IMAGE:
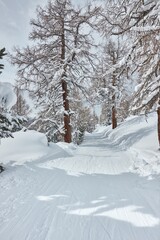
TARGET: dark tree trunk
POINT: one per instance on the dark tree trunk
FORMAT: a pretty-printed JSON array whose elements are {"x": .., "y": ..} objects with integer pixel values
[
  {"x": 67, "y": 126},
  {"x": 114, "y": 118},
  {"x": 19, "y": 102},
  {"x": 158, "y": 113}
]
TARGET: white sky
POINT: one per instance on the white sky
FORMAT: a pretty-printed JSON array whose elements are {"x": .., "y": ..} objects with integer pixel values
[{"x": 15, "y": 16}]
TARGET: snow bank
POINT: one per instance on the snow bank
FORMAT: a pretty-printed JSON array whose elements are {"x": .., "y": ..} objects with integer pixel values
[
  {"x": 133, "y": 130},
  {"x": 25, "y": 146},
  {"x": 68, "y": 147},
  {"x": 138, "y": 136},
  {"x": 100, "y": 129},
  {"x": 146, "y": 155}
]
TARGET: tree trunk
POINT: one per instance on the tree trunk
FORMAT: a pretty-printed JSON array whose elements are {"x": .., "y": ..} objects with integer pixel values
[
  {"x": 67, "y": 126},
  {"x": 114, "y": 119},
  {"x": 158, "y": 113}
]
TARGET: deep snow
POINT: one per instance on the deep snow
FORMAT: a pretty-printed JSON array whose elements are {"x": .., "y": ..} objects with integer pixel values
[{"x": 107, "y": 189}]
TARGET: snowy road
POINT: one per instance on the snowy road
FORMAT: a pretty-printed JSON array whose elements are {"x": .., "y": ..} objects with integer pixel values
[{"x": 89, "y": 196}]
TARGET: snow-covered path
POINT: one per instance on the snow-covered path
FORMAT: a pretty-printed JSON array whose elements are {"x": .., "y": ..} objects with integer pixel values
[{"x": 89, "y": 196}]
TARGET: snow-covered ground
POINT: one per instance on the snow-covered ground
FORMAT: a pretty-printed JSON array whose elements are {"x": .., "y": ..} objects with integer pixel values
[{"x": 106, "y": 189}]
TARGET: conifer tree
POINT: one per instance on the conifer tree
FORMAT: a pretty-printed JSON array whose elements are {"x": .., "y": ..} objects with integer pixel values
[
  {"x": 60, "y": 57},
  {"x": 111, "y": 80},
  {"x": 139, "y": 20},
  {"x": 4, "y": 121},
  {"x": 8, "y": 122},
  {"x": 2, "y": 54}
]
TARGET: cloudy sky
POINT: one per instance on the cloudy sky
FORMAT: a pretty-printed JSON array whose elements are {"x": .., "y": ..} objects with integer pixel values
[{"x": 15, "y": 16}]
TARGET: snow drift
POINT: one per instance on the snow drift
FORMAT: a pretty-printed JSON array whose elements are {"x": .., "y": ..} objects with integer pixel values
[{"x": 138, "y": 136}]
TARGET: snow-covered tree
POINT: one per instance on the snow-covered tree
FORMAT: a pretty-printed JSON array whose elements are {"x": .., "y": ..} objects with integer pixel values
[
  {"x": 140, "y": 20},
  {"x": 4, "y": 103},
  {"x": 9, "y": 122},
  {"x": 83, "y": 117},
  {"x": 2, "y": 54},
  {"x": 22, "y": 107},
  {"x": 111, "y": 79},
  {"x": 50, "y": 118},
  {"x": 60, "y": 56}
]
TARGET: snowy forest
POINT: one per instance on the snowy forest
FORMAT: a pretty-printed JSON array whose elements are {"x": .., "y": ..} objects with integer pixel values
[{"x": 89, "y": 78}]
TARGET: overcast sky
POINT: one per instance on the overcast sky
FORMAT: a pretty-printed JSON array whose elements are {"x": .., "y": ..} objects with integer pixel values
[{"x": 15, "y": 16}]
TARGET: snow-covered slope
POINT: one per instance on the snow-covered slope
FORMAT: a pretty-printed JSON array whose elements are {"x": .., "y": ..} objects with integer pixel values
[
  {"x": 89, "y": 193},
  {"x": 26, "y": 147},
  {"x": 138, "y": 136}
]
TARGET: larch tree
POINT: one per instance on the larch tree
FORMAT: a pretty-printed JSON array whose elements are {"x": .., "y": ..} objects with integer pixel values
[
  {"x": 140, "y": 20},
  {"x": 83, "y": 117},
  {"x": 60, "y": 56},
  {"x": 21, "y": 108},
  {"x": 111, "y": 77}
]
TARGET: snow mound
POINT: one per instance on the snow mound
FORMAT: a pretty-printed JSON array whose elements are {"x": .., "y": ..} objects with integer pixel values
[
  {"x": 25, "y": 146},
  {"x": 130, "y": 132},
  {"x": 68, "y": 147},
  {"x": 100, "y": 129},
  {"x": 138, "y": 136}
]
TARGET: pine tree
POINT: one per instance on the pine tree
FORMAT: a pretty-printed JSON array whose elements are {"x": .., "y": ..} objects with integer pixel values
[
  {"x": 8, "y": 122},
  {"x": 5, "y": 126},
  {"x": 2, "y": 54},
  {"x": 4, "y": 121}
]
